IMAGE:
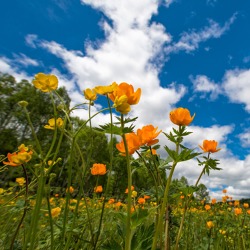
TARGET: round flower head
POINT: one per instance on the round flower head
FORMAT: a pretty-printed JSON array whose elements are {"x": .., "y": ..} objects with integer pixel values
[
  {"x": 98, "y": 169},
  {"x": 46, "y": 83},
  {"x": 181, "y": 116},
  {"x": 210, "y": 146}
]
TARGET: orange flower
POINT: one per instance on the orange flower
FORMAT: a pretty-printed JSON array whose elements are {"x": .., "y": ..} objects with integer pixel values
[
  {"x": 213, "y": 201},
  {"x": 104, "y": 90},
  {"x": 146, "y": 197},
  {"x": 98, "y": 169},
  {"x": 210, "y": 224},
  {"x": 148, "y": 134},
  {"x": 207, "y": 207},
  {"x": 248, "y": 211},
  {"x": 98, "y": 189},
  {"x": 19, "y": 158},
  {"x": 236, "y": 203},
  {"x": 123, "y": 96},
  {"x": 55, "y": 211},
  {"x": 210, "y": 146},
  {"x": 133, "y": 143},
  {"x": 237, "y": 211},
  {"x": 246, "y": 205},
  {"x": 141, "y": 201},
  {"x": 111, "y": 201},
  {"x": 181, "y": 116},
  {"x": 45, "y": 83},
  {"x": 224, "y": 191},
  {"x": 21, "y": 181},
  {"x": 71, "y": 190},
  {"x": 132, "y": 189}
]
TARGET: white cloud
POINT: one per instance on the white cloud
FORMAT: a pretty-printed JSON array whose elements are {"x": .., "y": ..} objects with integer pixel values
[
  {"x": 203, "y": 84},
  {"x": 190, "y": 40},
  {"x": 25, "y": 60},
  {"x": 236, "y": 84},
  {"x": 30, "y": 40},
  {"x": 245, "y": 138}
]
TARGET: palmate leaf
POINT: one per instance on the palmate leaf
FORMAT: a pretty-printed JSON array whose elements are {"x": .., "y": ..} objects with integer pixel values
[
  {"x": 109, "y": 128},
  {"x": 126, "y": 120}
]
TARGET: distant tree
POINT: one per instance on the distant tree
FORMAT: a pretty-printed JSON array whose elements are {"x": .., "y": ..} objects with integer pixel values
[{"x": 202, "y": 193}]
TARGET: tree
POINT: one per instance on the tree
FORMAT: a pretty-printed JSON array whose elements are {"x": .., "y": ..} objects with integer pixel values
[{"x": 202, "y": 193}]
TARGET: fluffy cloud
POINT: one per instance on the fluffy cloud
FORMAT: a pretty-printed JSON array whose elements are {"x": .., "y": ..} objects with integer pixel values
[{"x": 236, "y": 86}]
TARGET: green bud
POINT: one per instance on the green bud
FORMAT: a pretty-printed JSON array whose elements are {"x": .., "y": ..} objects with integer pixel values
[{"x": 23, "y": 104}]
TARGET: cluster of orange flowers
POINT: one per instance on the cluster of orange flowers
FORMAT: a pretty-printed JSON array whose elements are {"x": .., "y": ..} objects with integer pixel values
[{"x": 145, "y": 136}]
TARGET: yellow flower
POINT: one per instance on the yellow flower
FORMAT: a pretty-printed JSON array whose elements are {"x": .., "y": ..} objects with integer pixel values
[
  {"x": 55, "y": 211},
  {"x": 19, "y": 158},
  {"x": 181, "y": 116},
  {"x": 134, "y": 194},
  {"x": 132, "y": 189},
  {"x": 210, "y": 146},
  {"x": 2, "y": 190},
  {"x": 52, "y": 123},
  {"x": 236, "y": 203},
  {"x": 222, "y": 231},
  {"x": 210, "y": 224},
  {"x": 21, "y": 181},
  {"x": 104, "y": 90},
  {"x": 90, "y": 94},
  {"x": 45, "y": 83}
]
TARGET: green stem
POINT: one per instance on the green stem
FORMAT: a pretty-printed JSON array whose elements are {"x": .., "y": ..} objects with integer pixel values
[
  {"x": 129, "y": 200},
  {"x": 25, "y": 208}
]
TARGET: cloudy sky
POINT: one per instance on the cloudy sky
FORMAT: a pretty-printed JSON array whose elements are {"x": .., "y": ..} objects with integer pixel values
[{"x": 194, "y": 54}]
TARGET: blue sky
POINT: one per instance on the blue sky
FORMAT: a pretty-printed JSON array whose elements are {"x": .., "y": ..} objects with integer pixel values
[{"x": 194, "y": 54}]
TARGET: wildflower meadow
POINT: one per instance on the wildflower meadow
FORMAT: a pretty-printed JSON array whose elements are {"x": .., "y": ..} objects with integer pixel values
[{"x": 39, "y": 213}]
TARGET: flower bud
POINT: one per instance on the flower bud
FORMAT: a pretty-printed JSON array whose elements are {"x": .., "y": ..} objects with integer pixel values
[{"x": 23, "y": 104}]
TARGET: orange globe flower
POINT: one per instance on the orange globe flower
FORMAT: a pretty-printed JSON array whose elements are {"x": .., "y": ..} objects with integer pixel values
[
  {"x": 98, "y": 169},
  {"x": 141, "y": 201},
  {"x": 46, "y": 83},
  {"x": 181, "y": 116},
  {"x": 98, "y": 189},
  {"x": 210, "y": 224},
  {"x": 123, "y": 96},
  {"x": 132, "y": 189},
  {"x": 19, "y": 158},
  {"x": 213, "y": 201},
  {"x": 55, "y": 212},
  {"x": 133, "y": 143},
  {"x": 207, "y": 207},
  {"x": 148, "y": 135},
  {"x": 210, "y": 146},
  {"x": 238, "y": 211}
]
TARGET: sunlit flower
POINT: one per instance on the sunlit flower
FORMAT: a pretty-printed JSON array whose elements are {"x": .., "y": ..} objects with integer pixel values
[
  {"x": 53, "y": 123},
  {"x": 181, "y": 116},
  {"x": 210, "y": 224},
  {"x": 222, "y": 231},
  {"x": 210, "y": 146},
  {"x": 207, "y": 207},
  {"x": 90, "y": 94},
  {"x": 111, "y": 201},
  {"x": 45, "y": 83},
  {"x": 132, "y": 188},
  {"x": 141, "y": 201},
  {"x": 55, "y": 211},
  {"x": 134, "y": 194},
  {"x": 133, "y": 144},
  {"x": 98, "y": 189},
  {"x": 21, "y": 181},
  {"x": 19, "y": 158},
  {"x": 70, "y": 190},
  {"x": 213, "y": 201},
  {"x": 98, "y": 169},
  {"x": 118, "y": 204},
  {"x": 237, "y": 211},
  {"x": 146, "y": 197},
  {"x": 123, "y": 96},
  {"x": 248, "y": 211},
  {"x": 236, "y": 203},
  {"x": 245, "y": 205},
  {"x": 104, "y": 90},
  {"x": 148, "y": 135},
  {"x": 224, "y": 191}
]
